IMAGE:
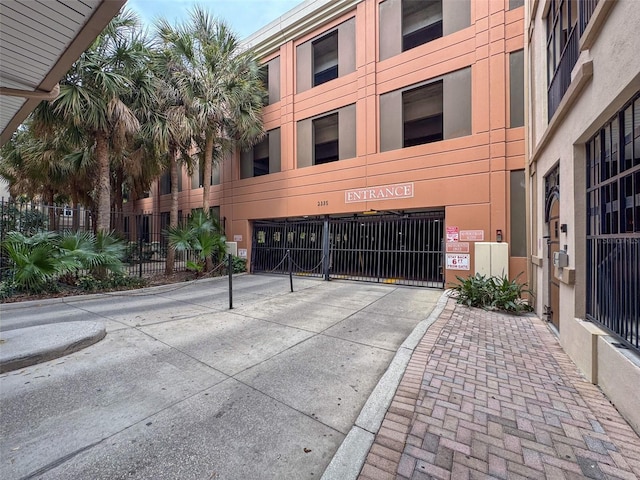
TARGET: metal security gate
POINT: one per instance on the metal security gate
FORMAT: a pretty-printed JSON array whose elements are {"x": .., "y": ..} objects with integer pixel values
[{"x": 399, "y": 249}]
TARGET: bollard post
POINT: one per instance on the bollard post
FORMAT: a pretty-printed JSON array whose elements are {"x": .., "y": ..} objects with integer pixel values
[
  {"x": 290, "y": 270},
  {"x": 230, "y": 266}
]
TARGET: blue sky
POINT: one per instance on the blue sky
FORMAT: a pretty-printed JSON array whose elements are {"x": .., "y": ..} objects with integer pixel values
[{"x": 244, "y": 16}]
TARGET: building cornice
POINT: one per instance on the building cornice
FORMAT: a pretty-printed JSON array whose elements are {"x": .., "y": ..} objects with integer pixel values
[{"x": 296, "y": 23}]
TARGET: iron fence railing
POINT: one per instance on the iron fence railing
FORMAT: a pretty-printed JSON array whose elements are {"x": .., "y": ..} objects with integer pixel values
[
  {"x": 562, "y": 77},
  {"x": 398, "y": 249},
  {"x": 586, "y": 9},
  {"x": 144, "y": 232},
  {"x": 613, "y": 286}
]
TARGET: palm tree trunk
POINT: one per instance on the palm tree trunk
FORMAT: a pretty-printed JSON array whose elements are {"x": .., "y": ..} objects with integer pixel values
[
  {"x": 208, "y": 164},
  {"x": 118, "y": 225},
  {"x": 206, "y": 186},
  {"x": 173, "y": 212},
  {"x": 104, "y": 184}
]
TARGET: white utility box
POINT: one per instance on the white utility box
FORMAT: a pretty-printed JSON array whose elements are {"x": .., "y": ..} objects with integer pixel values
[
  {"x": 492, "y": 258},
  {"x": 232, "y": 248}
]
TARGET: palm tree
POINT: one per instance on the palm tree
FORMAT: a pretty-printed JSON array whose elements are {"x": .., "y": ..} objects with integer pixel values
[
  {"x": 167, "y": 133},
  {"x": 96, "y": 95},
  {"x": 220, "y": 84}
]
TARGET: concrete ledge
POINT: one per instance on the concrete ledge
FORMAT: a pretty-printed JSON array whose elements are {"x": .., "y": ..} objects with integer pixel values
[
  {"x": 619, "y": 378},
  {"x": 580, "y": 340},
  {"x": 28, "y": 346}
]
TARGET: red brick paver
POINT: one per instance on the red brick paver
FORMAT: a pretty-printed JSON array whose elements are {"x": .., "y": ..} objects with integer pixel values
[{"x": 489, "y": 395}]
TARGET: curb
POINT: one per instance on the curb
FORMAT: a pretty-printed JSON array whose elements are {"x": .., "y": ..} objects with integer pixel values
[
  {"x": 352, "y": 453},
  {"x": 24, "y": 347}
]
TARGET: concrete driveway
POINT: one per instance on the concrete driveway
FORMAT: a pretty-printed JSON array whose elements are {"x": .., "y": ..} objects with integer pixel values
[{"x": 182, "y": 387}]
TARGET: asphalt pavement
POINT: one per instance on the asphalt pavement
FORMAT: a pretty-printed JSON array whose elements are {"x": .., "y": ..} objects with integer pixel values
[{"x": 183, "y": 387}]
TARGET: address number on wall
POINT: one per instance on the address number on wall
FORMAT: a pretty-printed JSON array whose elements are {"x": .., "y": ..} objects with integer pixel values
[{"x": 323, "y": 203}]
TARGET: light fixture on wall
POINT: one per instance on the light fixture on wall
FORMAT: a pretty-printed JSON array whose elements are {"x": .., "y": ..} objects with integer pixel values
[{"x": 498, "y": 235}]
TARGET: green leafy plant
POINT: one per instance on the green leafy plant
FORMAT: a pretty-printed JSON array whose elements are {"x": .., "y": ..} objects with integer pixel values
[
  {"x": 37, "y": 262},
  {"x": 201, "y": 235},
  {"x": 492, "y": 293},
  {"x": 239, "y": 264}
]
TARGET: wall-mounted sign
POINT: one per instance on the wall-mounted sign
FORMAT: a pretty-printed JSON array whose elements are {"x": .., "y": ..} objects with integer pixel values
[
  {"x": 452, "y": 234},
  {"x": 386, "y": 192},
  {"x": 457, "y": 261},
  {"x": 242, "y": 252},
  {"x": 237, "y": 238},
  {"x": 458, "y": 247},
  {"x": 472, "y": 235}
]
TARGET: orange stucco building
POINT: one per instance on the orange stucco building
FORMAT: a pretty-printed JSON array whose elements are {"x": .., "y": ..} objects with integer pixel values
[{"x": 385, "y": 110}]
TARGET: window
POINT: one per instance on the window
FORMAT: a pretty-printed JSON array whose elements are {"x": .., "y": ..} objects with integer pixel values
[
  {"x": 562, "y": 49},
  {"x": 516, "y": 89},
  {"x": 327, "y": 138},
  {"x": 263, "y": 158},
  {"x": 326, "y": 57},
  {"x": 197, "y": 179},
  {"x": 517, "y": 214},
  {"x": 165, "y": 182},
  {"x": 429, "y": 112},
  {"x": 421, "y": 22},
  {"x": 515, "y": 4},
  {"x": 270, "y": 74},
  {"x": 613, "y": 223},
  {"x": 406, "y": 24},
  {"x": 422, "y": 115}
]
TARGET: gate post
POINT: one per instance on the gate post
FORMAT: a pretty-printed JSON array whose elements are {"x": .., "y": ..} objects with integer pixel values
[{"x": 325, "y": 248}]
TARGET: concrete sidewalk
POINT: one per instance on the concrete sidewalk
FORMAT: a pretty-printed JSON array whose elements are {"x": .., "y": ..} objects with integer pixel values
[{"x": 489, "y": 395}]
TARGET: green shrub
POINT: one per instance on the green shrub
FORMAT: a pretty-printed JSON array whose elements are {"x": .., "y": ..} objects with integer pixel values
[
  {"x": 89, "y": 283},
  {"x": 7, "y": 289},
  {"x": 492, "y": 293},
  {"x": 239, "y": 264}
]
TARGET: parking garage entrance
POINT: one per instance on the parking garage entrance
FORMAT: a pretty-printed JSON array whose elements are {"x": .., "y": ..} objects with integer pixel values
[{"x": 402, "y": 249}]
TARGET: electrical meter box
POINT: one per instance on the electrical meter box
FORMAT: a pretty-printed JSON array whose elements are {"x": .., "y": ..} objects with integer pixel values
[{"x": 560, "y": 259}]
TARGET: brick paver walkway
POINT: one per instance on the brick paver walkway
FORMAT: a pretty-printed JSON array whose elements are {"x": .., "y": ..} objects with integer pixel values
[{"x": 488, "y": 395}]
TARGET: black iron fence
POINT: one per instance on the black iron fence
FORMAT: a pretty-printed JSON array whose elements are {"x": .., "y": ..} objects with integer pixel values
[
  {"x": 586, "y": 9},
  {"x": 562, "y": 77},
  {"x": 397, "y": 249},
  {"x": 613, "y": 286},
  {"x": 144, "y": 232}
]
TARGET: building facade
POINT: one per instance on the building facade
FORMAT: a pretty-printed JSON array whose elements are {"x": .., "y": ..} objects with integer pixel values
[
  {"x": 583, "y": 172},
  {"x": 393, "y": 126}
]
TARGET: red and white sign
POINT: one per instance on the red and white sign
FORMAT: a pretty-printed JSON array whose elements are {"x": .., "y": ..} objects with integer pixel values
[
  {"x": 452, "y": 234},
  {"x": 457, "y": 262},
  {"x": 386, "y": 192},
  {"x": 237, "y": 238},
  {"x": 458, "y": 247},
  {"x": 472, "y": 235}
]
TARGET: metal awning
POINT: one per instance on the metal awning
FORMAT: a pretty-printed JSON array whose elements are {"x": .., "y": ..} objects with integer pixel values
[{"x": 39, "y": 41}]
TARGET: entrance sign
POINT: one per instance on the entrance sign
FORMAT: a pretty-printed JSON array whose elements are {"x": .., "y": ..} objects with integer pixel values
[
  {"x": 457, "y": 262},
  {"x": 472, "y": 235},
  {"x": 386, "y": 192},
  {"x": 452, "y": 234},
  {"x": 458, "y": 247}
]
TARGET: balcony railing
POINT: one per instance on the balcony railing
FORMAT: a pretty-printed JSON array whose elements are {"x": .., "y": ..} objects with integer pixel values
[
  {"x": 562, "y": 76},
  {"x": 585, "y": 11}
]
